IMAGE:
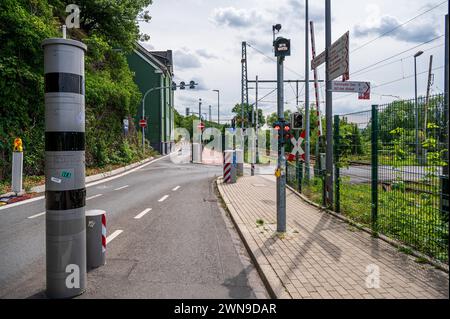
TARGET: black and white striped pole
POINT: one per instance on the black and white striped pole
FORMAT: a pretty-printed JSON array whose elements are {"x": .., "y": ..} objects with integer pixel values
[{"x": 65, "y": 192}]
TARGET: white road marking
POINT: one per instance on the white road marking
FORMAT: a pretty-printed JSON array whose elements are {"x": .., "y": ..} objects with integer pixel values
[
  {"x": 87, "y": 185},
  {"x": 37, "y": 215},
  {"x": 118, "y": 189},
  {"x": 113, "y": 235},
  {"x": 176, "y": 188},
  {"x": 163, "y": 198},
  {"x": 22, "y": 202},
  {"x": 95, "y": 196},
  {"x": 140, "y": 215}
]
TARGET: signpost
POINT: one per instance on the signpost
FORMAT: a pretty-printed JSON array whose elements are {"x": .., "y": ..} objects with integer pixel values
[
  {"x": 201, "y": 126},
  {"x": 362, "y": 88},
  {"x": 339, "y": 58}
]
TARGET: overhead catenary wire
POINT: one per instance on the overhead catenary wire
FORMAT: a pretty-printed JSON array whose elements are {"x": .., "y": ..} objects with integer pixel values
[
  {"x": 397, "y": 27},
  {"x": 361, "y": 71},
  {"x": 391, "y": 82},
  {"x": 397, "y": 54}
]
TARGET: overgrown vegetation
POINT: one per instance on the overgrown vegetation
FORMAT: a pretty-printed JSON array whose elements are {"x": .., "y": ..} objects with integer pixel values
[{"x": 109, "y": 29}]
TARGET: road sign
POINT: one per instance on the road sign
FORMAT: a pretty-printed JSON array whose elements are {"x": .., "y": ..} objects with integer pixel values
[
  {"x": 201, "y": 126},
  {"x": 143, "y": 123},
  {"x": 362, "y": 88},
  {"x": 339, "y": 58}
]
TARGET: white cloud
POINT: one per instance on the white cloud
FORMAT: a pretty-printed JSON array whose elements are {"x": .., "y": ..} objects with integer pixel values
[
  {"x": 235, "y": 18},
  {"x": 414, "y": 32},
  {"x": 206, "y": 54},
  {"x": 183, "y": 59}
]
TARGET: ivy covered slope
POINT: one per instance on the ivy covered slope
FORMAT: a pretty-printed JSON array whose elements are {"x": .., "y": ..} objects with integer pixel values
[{"x": 109, "y": 30}]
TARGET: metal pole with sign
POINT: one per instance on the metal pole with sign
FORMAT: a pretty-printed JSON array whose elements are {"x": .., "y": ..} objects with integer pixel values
[
  {"x": 329, "y": 109},
  {"x": 307, "y": 106},
  {"x": 282, "y": 49},
  {"x": 65, "y": 191}
]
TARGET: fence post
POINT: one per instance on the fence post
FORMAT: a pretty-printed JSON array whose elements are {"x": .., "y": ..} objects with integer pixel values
[
  {"x": 337, "y": 198},
  {"x": 374, "y": 161}
]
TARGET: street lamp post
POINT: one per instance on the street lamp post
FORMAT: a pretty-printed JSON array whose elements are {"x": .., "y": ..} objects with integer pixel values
[
  {"x": 218, "y": 105},
  {"x": 416, "y": 106},
  {"x": 173, "y": 87}
]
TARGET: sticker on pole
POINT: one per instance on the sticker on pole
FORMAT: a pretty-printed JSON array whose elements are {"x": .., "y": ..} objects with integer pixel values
[{"x": 278, "y": 172}]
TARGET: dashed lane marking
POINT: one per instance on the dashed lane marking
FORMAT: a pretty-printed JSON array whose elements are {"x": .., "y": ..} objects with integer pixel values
[
  {"x": 140, "y": 215},
  {"x": 163, "y": 198},
  {"x": 113, "y": 235}
]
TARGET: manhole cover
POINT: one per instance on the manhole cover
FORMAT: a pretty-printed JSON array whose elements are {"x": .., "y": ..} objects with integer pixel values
[{"x": 268, "y": 202}]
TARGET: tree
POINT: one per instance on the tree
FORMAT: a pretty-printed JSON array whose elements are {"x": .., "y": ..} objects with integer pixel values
[
  {"x": 272, "y": 118},
  {"x": 111, "y": 94},
  {"x": 247, "y": 115}
]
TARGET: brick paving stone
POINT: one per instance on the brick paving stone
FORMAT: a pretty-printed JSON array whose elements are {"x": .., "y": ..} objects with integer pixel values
[{"x": 322, "y": 256}]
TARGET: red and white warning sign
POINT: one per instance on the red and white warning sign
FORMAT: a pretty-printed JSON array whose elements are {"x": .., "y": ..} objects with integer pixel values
[{"x": 143, "y": 123}]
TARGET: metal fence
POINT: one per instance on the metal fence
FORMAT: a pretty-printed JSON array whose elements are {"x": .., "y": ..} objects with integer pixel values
[{"x": 391, "y": 172}]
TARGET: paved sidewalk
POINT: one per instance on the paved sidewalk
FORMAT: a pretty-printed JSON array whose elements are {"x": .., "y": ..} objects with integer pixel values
[{"x": 321, "y": 256}]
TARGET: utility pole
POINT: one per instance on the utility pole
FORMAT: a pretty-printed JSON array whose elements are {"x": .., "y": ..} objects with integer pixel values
[
  {"x": 427, "y": 99},
  {"x": 416, "y": 106},
  {"x": 307, "y": 118},
  {"x": 218, "y": 106},
  {"x": 257, "y": 121},
  {"x": 329, "y": 110},
  {"x": 282, "y": 49},
  {"x": 446, "y": 107},
  {"x": 210, "y": 114},
  {"x": 244, "y": 82},
  {"x": 200, "y": 118},
  {"x": 281, "y": 164}
]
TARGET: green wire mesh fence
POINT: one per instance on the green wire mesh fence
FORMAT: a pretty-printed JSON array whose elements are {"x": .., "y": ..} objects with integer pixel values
[{"x": 391, "y": 172}]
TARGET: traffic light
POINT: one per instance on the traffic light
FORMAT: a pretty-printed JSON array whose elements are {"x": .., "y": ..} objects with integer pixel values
[
  {"x": 233, "y": 122},
  {"x": 174, "y": 86},
  {"x": 182, "y": 85},
  {"x": 287, "y": 132},
  {"x": 192, "y": 85},
  {"x": 297, "y": 121},
  {"x": 283, "y": 130}
]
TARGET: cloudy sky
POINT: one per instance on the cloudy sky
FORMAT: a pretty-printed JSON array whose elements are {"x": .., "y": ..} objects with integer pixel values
[{"x": 206, "y": 38}]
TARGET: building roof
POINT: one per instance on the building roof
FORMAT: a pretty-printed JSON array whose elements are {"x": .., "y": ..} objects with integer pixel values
[
  {"x": 161, "y": 59},
  {"x": 164, "y": 57}
]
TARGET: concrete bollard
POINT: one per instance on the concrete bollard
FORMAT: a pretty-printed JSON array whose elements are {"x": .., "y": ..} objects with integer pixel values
[
  {"x": 95, "y": 238},
  {"x": 240, "y": 162},
  {"x": 17, "y": 172},
  {"x": 65, "y": 190}
]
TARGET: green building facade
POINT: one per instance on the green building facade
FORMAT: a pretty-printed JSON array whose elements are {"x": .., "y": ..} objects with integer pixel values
[{"x": 154, "y": 69}]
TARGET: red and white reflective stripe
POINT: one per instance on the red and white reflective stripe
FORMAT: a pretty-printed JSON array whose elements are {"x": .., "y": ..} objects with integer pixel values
[
  {"x": 103, "y": 233},
  {"x": 316, "y": 83},
  {"x": 227, "y": 172}
]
